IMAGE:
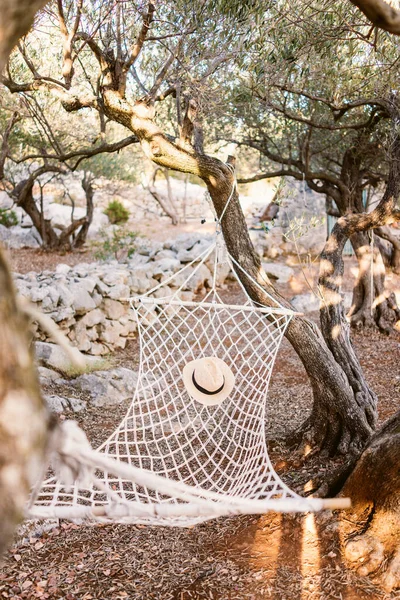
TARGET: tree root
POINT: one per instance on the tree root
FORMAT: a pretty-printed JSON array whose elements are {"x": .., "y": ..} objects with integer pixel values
[{"x": 372, "y": 530}]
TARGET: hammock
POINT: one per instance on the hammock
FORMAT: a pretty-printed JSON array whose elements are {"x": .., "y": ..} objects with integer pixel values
[{"x": 174, "y": 460}]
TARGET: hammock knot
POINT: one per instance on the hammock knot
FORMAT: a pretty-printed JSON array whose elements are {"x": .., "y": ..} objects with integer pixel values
[{"x": 69, "y": 445}]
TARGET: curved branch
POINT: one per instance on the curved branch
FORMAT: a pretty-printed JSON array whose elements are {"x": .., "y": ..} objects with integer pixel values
[
  {"x": 83, "y": 154},
  {"x": 137, "y": 47}
]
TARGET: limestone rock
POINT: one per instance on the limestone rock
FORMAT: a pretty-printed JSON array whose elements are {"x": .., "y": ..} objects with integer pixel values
[
  {"x": 305, "y": 303},
  {"x": 82, "y": 301},
  {"x": 165, "y": 265},
  {"x": 53, "y": 357},
  {"x": 113, "y": 309},
  {"x": 118, "y": 292},
  {"x": 92, "y": 318},
  {"x": 46, "y": 375},
  {"x": 58, "y": 404},
  {"x": 63, "y": 269},
  {"x": 107, "y": 388},
  {"x": 277, "y": 271}
]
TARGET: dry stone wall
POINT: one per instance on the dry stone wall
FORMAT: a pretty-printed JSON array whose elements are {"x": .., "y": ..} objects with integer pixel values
[{"x": 88, "y": 301}]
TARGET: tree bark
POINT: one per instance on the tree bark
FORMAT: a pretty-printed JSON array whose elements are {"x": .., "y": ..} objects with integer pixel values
[
  {"x": 392, "y": 257},
  {"x": 89, "y": 192},
  {"x": 168, "y": 207},
  {"x": 371, "y": 304},
  {"x": 24, "y": 198},
  {"x": 16, "y": 18},
  {"x": 371, "y": 532},
  {"x": 24, "y": 420}
]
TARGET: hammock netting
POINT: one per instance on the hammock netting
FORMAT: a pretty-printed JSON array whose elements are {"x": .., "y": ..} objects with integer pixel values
[{"x": 172, "y": 460}]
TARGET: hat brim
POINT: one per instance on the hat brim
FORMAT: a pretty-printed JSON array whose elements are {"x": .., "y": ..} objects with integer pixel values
[{"x": 205, "y": 399}]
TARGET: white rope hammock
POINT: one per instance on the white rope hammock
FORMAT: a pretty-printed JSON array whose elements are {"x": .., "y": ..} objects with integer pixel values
[{"x": 173, "y": 460}]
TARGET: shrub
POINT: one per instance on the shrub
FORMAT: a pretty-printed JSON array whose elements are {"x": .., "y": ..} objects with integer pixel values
[
  {"x": 8, "y": 217},
  {"x": 120, "y": 244},
  {"x": 116, "y": 212}
]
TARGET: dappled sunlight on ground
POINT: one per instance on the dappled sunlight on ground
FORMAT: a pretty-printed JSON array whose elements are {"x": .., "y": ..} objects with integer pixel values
[{"x": 310, "y": 557}]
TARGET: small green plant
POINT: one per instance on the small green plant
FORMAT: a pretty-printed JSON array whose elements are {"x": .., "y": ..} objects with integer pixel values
[
  {"x": 116, "y": 212},
  {"x": 119, "y": 244},
  {"x": 8, "y": 217}
]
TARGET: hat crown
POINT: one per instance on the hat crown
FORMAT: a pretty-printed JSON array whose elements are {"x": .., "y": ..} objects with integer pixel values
[{"x": 208, "y": 375}]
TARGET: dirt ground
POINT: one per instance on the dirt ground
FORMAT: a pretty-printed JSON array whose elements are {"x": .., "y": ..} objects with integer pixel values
[{"x": 281, "y": 557}]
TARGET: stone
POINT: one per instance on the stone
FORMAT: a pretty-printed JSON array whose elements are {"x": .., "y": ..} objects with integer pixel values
[
  {"x": 66, "y": 297},
  {"x": 46, "y": 375},
  {"x": 81, "y": 338},
  {"x": 38, "y": 294},
  {"x": 49, "y": 302},
  {"x": 102, "y": 287},
  {"x": 98, "y": 349},
  {"x": 165, "y": 254},
  {"x": 107, "y": 388},
  {"x": 56, "y": 403},
  {"x": 93, "y": 333},
  {"x": 113, "y": 309},
  {"x": 97, "y": 298},
  {"x": 5, "y": 233},
  {"x": 99, "y": 222},
  {"x": 53, "y": 357},
  {"x": 140, "y": 285},
  {"x": 165, "y": 265},
  {"x": 305, "y": 303},
  {"x": 277, "y": 271},
  {"x": 60, "y": 215},
  {"x": 26, "y": 221},
  {"x": 92, "y": 318},
  {"x": 118, "y": 292},
  {"x": 185, "y": 256},
  {"x": 148, "y": 248},
  {"x": 187, "y": 296},
  {"x": 65, "y": 314},
  {"x": 5, "y": 201},
  {"x": 193, "y": 279},
  {"x": 111, "y": 332},
  {"x": 163, "y": 292},
  {"x": 76, "y": 404},
  {"x": 18, "y": 237},
  {"x": 138, "y": 260},
  {"x": 185, "y": 241},
  {"x": 113, "y": 277},
  {"x": 82, "y": 301},
  {"x": 128, "y": 327},
  {"x": 63, "y": 269},
  {"x": 88, "y": 283}
]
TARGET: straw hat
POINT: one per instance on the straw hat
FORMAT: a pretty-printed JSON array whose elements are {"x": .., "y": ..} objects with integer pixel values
[{"x": 208, "y": 380}]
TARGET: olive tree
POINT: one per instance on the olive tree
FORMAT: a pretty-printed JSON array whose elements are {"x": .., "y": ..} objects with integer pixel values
[{"x": 317, "y": 102}]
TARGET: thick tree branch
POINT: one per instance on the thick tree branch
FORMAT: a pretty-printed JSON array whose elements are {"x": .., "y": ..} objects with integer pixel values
[
  {"x": 137, "y": 47},
  {"x": 16, "y": 19},
  {"x": 4, "y": 145},
  {"x": 381, "y": 14}
]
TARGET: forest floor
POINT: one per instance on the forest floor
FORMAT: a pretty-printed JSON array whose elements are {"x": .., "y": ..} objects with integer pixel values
[{"x": 281, "y": 557}]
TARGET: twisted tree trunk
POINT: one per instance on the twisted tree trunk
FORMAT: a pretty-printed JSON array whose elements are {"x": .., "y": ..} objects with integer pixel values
[
  {"x": 24, "y": 420},
  {"x": 371, "y": 305},
  {"x": 371, "y": 532}
]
